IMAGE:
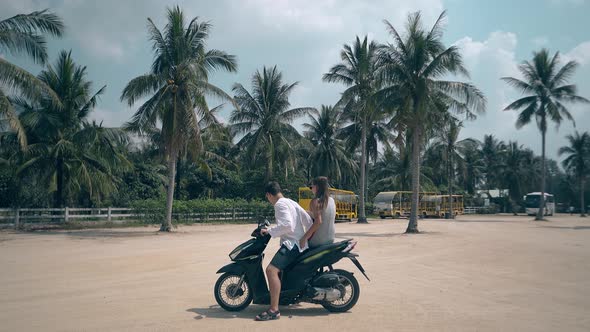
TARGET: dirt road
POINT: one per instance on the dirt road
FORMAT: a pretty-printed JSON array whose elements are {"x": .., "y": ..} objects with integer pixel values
[{"x": 478, "y": 273}]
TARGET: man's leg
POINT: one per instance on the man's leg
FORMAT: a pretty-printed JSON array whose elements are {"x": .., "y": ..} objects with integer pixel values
[{"x": 274, "y": 283}]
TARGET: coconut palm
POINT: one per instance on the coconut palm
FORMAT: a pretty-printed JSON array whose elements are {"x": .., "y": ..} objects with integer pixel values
[
  {"x": 578, "y": 161},
  {"x": 329, "y": 157},
  {"x": 380, "y": 131},
  {"x": 545, "y": 85},
  {"x": 491, "y": 151},
  {"x": 358, "y": 71},
  {"x": 393, "y": 171},
  {"x": 265, "y": 118},
  {"x": 176, "y": 87},
  {"x": 68, "y": 152},
  {"x": 514, "y": 172},
  {"x": 446, "y": 140},
  {"x": 471, "y": 170},
  {"x": 415, "y": 69},
  {"x": 24, "y": 34}
]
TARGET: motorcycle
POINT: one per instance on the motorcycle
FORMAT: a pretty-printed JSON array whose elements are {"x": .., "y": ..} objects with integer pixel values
[{"x": 310, "y": 278}]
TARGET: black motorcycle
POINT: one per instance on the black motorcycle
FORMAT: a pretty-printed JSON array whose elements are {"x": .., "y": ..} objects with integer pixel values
[{"x": 310, "y": 278}]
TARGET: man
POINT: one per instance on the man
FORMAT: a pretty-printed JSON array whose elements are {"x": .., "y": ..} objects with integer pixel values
[{"x": 292, "y": 222}]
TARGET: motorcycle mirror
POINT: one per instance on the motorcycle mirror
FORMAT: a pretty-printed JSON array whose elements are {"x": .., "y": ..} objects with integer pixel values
[{"x": 263, "y": 222}]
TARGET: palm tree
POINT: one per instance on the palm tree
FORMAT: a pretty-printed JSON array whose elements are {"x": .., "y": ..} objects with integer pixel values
[
  {"x": 514, "y": 172},
  {"x": 23, "y": 34},
  {"x": 329, "y": 157},
  {"x": 265, "y": 119},
  {"x": 491, "y": 151},
  {"x": 452, "y": 150},
  {"x": 578, "y": 161},
  {"x": 393, "y": 170},
  {"x": 415, "y": 68},
  {"x": 380, "y": 126},
  {"x": 67, "y": 151},
  {"x": 358, "y": 71},
  {"x": 176, "y": 86},
  {"x": 547, "y": 90},
  {"x": 472, "y": 169}
]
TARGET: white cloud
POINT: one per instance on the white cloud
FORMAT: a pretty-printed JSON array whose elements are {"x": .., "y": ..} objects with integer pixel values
[
  {"x": 540, "y": 41},
  {"x": 488, "y": 61},
  {"x": 580, "y": 53},
  {"x": 11, "y": 8},
  {"x": 111, "y": 118},
  {"x": 335, "y": 16},
  {"x": 307, "y": 14},
  {"x": 493, "y": 58}
]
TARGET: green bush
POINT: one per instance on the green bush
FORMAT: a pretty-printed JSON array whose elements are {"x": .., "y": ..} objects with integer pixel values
[{"x": 153, "y": 211}]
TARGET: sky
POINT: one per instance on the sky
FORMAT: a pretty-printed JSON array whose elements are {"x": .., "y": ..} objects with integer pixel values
[{"x": 303, "y": 39}]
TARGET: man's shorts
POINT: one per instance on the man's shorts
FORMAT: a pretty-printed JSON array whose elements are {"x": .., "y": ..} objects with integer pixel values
[{"x": 284, "y": 257}]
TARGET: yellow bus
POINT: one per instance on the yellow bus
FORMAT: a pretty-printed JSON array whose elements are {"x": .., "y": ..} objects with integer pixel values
[
  {"x": 458, "y": 207},
  {"x": 346, "y": 205},
  {"x": 437, "y": 205},
  {"x": 429, "y": 205},
  {"x": 394, "y": 204},
  {"x": 397, "y": 204}
]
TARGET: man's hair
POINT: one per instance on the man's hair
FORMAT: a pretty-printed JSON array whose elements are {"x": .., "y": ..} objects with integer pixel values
[{"x": 272, "y": 188}]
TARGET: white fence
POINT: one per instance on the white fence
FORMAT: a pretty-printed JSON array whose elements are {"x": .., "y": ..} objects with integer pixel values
[
  {"x": 478, "y": 210},
  {"x": 18, "y": 217},
  {"x": 470, "y": 210}
]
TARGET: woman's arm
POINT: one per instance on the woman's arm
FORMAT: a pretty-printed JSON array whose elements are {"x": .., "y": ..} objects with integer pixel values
[{"x": 317, "y": 220}]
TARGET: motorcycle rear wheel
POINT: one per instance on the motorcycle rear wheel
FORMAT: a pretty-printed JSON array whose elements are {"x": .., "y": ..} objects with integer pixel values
[
  {"x": 350, "y": 289},
  {"x": 229, "y": 296}
]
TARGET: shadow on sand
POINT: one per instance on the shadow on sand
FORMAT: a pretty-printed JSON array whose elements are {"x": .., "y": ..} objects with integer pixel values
[
  {"x": 296, "y": 310},
  {"x": 387, "y": 235},
  {"x": 576, "y": 228},
  {"x": 98, "y": 233},
  {"x": 482, "y": 220}
]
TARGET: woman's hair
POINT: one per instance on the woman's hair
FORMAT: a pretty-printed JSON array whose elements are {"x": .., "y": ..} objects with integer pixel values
[{"x": 322, "y": 193}]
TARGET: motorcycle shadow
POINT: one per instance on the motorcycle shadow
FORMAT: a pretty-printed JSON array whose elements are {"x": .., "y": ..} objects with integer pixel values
[{"x": 215, "y": 311}]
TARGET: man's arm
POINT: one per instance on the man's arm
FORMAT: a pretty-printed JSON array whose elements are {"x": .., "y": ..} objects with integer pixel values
[{"x": 285, "y": 222}]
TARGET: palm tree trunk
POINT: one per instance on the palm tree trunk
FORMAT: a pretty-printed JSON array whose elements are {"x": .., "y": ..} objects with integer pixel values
[
  {"x": 413, "y": 223},
  {"x": 367, "y": 167},
  {"x": 269, "y": 160},
  {"x": 362, "y": 219},
  {"x": 582, "y": 206},
  {"x": 167, "y": 224},
  {"x": 177, "y": 176},
  {"x": 451, "y": 214},
  {"x": 541, "y": 211},
  {"x": 59, "y": 201}
]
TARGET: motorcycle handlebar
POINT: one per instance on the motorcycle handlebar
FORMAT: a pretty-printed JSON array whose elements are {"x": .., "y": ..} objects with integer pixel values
[{"x": 263, "y": 223}]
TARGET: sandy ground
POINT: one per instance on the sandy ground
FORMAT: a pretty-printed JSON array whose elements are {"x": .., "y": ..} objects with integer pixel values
[{"x": 478, "y": 273}]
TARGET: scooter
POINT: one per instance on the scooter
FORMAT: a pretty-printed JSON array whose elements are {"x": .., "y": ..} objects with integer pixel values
[{"x": 310, "y": 278}]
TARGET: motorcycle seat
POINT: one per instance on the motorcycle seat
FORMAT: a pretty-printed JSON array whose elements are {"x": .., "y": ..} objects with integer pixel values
[{"x": 317, "y": 252}]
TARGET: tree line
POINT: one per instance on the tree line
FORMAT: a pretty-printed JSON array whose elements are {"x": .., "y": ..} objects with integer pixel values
[{"x": 396, "y": 125}]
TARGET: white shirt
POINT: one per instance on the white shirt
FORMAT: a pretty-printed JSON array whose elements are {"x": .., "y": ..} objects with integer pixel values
[{"x": 292, "y": 223}]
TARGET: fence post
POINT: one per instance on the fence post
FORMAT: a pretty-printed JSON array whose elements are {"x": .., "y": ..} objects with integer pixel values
[
  {"x": 109, "y": 212},
  {"x": 16, "y": 218},
  {"x": 233, "y": 214},
  {"x": 66, "y": 214}
]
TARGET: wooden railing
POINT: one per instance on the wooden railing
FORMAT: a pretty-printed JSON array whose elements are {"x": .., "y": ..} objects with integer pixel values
[{"x": 18, "y": 217}]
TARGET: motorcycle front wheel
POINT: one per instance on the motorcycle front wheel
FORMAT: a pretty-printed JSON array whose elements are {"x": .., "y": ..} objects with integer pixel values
[
  {"x": 230, "y": 295},
  {"x": 350, "y": 292}
]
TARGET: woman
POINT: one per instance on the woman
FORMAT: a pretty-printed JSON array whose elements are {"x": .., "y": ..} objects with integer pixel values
[{"x": 323, "y": 211}]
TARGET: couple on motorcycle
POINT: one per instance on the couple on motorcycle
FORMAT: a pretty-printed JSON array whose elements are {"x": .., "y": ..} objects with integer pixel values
[{"x": 298, "y": 231}]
